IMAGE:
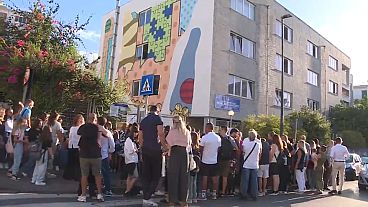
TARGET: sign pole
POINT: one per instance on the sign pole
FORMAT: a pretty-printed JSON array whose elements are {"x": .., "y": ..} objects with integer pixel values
[{"x": 146, "y": 105}]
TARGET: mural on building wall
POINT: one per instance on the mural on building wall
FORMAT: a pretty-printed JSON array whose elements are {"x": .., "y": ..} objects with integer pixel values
[
  {"x": 107, "y": 50},
  {"x": 149, "y": 40}
]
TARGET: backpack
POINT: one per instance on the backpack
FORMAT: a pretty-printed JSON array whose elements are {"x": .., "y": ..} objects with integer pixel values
[
  {"x": 36, "y": 149},
  {"x": 281, "y": 160},
  {"x": 227, "y": 150}
]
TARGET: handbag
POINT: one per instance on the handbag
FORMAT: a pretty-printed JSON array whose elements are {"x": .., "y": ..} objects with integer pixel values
[
  {"x": 192, "y": 163},
  {"x": 9, "y": 146}
]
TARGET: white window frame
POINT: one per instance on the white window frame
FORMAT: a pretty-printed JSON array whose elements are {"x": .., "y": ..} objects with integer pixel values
[
  {"x": 140, "y": 51},
  {"x": 244, "y": 7},
  {"x": 333, "y": 87},
  {"x": 288, "y": 99},
  {"x": 288, "y": 34},
  {"x": 313, "y": 104},
  {"x": 333, "y": 62},
  {"x": 312, "y": 78},
  {"x": 139, "y": 87},
  {"x": 246, "y": 84},
  {"x": 312, "y": 49},
  {"x": 288, "y": 64},
  {"x": 242, "y": 45}
]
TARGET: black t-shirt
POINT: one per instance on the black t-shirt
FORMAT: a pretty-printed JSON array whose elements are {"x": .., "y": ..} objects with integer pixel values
[
  {"x": 149, "y": 127},
  {"x": 46, "y": 144},
  {"x": 88, "y": 143},
  {"x": 265, "y": 156},
  {"x": 33, "y": 134}
]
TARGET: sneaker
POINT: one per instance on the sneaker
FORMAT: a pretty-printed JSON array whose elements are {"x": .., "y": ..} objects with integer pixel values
[
  {"x": 149, "y": 203},
  {"x": 33, "y": 181},
  {"x": 9, "y": 174},
  {"x": 100, "y": 198},
  {"x": 260, "y": 194},
  {"x": 57, "y": 168},
  {"x": 190, "y": 201},
  {"x": 195, "y": 201},
  {"x": 159, "y": 193},
  {"x": 275, "y": 193},
  {"x": 24, "y": 174},
  {"x": 339, "y": 192},
  {"x": 50, "y": 175},
  {"x": 40, "y": 183},
  {"x": 82, "y": 198},
  {"x": 213, "y": 195},
  {"x": 300, "y": 192},
  {"x": 14, "y": 177},
  {"x": 332, "y": 192},
  {"x": 108, "y": 193},
  {"x": 202, "y": 196}
]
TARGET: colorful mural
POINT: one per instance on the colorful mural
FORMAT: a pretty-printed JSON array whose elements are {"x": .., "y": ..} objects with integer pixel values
[
  {"x": 107, "y": 50},
  {"x": 150, "y": 37}
]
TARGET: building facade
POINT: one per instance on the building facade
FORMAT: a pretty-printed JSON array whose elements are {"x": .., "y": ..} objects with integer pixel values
[
  {"x": 360, "y": 92},
  {"x": 219, "y": 55}
]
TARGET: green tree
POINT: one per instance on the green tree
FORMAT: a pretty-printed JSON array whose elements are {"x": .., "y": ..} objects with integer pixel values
[
  {"x": 352, "y": 139},
  {"x": 45, "y": 50},
  {"x": 263, "y": 124},
  {"x": 313, "y": 123}
]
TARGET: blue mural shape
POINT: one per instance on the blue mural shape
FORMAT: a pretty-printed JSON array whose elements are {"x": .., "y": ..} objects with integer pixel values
[
  {"x": 186, "y": 69},
  {"x": 186, "y": 12},
  {"x": 168, "y": 11}
]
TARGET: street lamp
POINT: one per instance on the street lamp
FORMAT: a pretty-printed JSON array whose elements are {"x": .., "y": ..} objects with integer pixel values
[
  {"x": 282, "y": 73},
  {"x": 231, "y": 113}
]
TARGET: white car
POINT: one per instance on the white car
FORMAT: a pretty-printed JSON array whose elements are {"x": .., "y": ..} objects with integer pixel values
[{"x": 363, "y": 178}]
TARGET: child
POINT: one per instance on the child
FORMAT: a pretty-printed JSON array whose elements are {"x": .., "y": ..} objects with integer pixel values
[
  {"x": 131, "y": 160},
  {"x": 39, "y": 172},
  {"x": 18, "y": 140}
]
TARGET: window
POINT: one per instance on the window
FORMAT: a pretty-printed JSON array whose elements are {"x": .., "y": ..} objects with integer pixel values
[
  {"x": 243, "y": 7},
  {"x": 240, "y": 87},
  {"x": 288, "y": 32},
  {"x": 364, "y": 94},
  {"x": 332, "y": 62},
  {"x": 312, "y": 78},
  {"x": 144, "y": 17},
  {"x": 312, "y": 49},
  {"x": 345, "y": 92},
  {"x": 142, "y": 52},
  {"x": 136, "y": 87},
  {"x": 312, "y": 104},
  {"x": 241, "y": 45},
  {"x": 287, "y": 98},
  {"x": 288, "y": 64},
  {"x": 333, "y": 87}
]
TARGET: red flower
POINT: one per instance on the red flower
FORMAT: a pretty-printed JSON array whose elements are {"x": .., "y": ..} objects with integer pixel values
[
  {"x": 71, "y": 62},
  {"x": 12, "y": 79},
  {"x": 21, "y": 43},
  {"x": 55, "y": 22},
  {"x": 16, "y": 71},
  {"x": 27, "y": 35},
  {"x": 55, "y": 62},
  {"x": 40, "y": 17},
  {"x": 43, "y": 53}
]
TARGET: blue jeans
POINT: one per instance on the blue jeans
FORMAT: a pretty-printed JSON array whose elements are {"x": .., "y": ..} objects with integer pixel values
[
  {"x": 105, "y": 170},
  {"x": 192, "y": 187},
  {"x": 18, "y": 155},
  {"x": 249, "y": 183}
]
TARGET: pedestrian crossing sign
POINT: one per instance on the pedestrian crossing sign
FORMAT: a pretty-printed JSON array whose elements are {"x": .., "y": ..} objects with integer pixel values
[{"x": 147, "y": 85}]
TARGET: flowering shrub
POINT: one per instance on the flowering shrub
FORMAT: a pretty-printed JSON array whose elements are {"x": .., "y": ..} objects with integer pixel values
[{"x": 46, "y": 48}]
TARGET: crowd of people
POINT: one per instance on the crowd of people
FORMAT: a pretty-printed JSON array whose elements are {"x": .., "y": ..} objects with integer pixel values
[{"x": 177, "y": 160}]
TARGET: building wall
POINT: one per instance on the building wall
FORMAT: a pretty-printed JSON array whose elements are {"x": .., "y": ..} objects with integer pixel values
[
  {"x": 179, "y": 39},
  {"x": 358, "y": 92}
]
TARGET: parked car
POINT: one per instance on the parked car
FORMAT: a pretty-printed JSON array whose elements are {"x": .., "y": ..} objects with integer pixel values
[
  {"x": 365, "y": 160},
  {"x": 363, "y": 178},
  {"x": 353, "y": 166}
]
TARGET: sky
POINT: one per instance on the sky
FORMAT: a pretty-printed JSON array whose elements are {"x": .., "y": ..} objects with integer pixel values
[{"x": 340, "y": 21}]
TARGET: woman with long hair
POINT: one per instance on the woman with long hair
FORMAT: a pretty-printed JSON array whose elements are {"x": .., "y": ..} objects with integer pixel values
[
  {"x": 276, "y": 148},
  {"x": 192, "y": 197},
  {"x": 299, "y": 166},
  {"x": 18, "y": 142},
  {"x": 131, "y": 160},
  {"x": 285, "y": 175},
  {"x": 8, "y": 145},
  {"x": 57, "y": 137},
  {"x": 39, "y": 172},
  {"x": 179, "y": 141},
  {"x": 72, "y": 169}
]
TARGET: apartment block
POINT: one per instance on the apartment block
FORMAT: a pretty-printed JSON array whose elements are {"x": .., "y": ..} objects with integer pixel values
[{"x": 214, "y": 56}]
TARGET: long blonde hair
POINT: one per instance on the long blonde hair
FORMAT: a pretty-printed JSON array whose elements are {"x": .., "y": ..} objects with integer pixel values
[{"x": 179, "y": 124}]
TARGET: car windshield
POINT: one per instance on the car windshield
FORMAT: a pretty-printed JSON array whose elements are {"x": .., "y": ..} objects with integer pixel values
[{"x": 350, "y": 159}]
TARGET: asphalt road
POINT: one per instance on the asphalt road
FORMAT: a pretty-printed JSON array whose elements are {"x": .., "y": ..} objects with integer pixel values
[{"x": 351, "y": 197}]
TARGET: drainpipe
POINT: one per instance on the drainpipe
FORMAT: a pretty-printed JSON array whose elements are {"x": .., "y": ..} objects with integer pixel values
[
  {"x": 115, "y": 35},
  {"x": 266, "y": 59}
]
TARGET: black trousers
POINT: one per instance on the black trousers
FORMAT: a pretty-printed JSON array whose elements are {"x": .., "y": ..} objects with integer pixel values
[
  {"x": 284, "y": 177},
  {"x": 178, "y": 174},
  {"x": 151, "y": 171}
]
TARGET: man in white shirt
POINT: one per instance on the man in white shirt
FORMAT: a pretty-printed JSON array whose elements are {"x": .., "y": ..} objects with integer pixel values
[
  {"x": 209, "y": 147},
  {"x": 252, "y": 149},
  {"x": 338, "y": 154}
]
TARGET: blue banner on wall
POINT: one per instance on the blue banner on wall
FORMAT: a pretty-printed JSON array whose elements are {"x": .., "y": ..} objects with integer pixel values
[{"x": 227, "y": 103}]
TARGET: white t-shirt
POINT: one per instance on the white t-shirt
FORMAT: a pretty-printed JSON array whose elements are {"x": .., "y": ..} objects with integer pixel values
[
  {"x": 9, "y": 125},
  {"x": 253, "y": 160},
  {"x": 130, "y": 151},
  {"x": 210, "y": 143},
  {"x": 73, "y": 137},
  {"x": 54, "y": 129}
]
